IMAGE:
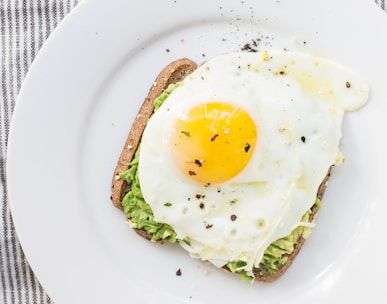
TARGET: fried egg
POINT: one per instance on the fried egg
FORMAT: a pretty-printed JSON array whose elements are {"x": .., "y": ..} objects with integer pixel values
[{"x": 235, "y": 155}]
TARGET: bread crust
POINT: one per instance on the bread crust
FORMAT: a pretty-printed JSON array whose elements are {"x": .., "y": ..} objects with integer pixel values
[{"x": 172, "y": 73}]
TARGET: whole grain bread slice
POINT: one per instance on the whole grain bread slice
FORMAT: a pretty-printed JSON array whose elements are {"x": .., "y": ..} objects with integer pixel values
[{"x": 173, "y": 73}]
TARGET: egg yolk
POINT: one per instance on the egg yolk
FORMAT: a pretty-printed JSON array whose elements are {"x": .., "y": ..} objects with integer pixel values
[{"x": 213, "y": 142}]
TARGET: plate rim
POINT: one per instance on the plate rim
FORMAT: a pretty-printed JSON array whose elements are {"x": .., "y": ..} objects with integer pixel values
[{"x": 34, "y": 71}]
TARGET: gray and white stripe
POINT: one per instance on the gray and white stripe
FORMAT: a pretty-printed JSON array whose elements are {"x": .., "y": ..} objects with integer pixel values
[
  {"x": 24, "y": 26},
  {"x": 381, "y": 4}
]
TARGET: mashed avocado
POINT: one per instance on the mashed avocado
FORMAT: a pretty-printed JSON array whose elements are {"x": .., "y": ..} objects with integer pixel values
[
  {"x": 140, "y": 216},
  {"x": 276, "y": 255}
]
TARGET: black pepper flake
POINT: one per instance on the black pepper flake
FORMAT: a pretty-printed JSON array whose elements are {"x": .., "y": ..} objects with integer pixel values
[
  {"x": 208, "y": 226},
  {"x": 167, "y": 50},
  {"x": 303, "y": 139},
  {"x": 251, "y": 47},
  {"x": 198, "y": 163},
  {"x": 214, "y": 137},
  {"x": 233, "y": 217},
  {"x": 348, "y": 84},
  {"x": 178, "y": 272},
  {"x": 199, "y": 196},
  {"x": 246, "y": 47},
  {"x": 202, "y": 205},
  {"x": 191, "y": 173},
  {"x": 247, "y": 147}
]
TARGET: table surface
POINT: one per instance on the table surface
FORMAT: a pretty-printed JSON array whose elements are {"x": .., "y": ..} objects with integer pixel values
[{"x": 24, "y": 26}]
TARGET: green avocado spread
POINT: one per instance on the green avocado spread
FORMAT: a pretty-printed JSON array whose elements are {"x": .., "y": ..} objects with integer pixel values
[
  {"x": 277, "y": 254},
  {"x": 140, "y": 216}
]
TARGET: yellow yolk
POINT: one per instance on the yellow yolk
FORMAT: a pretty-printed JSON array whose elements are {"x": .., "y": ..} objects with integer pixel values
[{"x": 213, "y": 142}]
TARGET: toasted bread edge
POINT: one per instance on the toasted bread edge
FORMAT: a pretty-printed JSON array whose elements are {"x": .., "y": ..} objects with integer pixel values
[{"x": 172, "y": 73}]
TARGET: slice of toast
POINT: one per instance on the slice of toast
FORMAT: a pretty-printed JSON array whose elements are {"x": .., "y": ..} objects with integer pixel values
[{"x": 173, "y": 73}]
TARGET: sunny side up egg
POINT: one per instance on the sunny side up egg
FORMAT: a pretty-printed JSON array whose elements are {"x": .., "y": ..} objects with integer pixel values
[{"x": 235, "y": 155}]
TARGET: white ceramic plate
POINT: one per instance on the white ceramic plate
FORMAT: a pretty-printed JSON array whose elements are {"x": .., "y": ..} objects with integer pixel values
[{"x": 76, "y": 107}]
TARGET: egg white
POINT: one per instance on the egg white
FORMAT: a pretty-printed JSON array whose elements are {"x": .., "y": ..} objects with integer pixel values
[{"x": 297, "y": 102}]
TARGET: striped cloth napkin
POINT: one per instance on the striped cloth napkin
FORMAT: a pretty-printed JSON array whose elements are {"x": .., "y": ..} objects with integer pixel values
[{"x": 24, "y": 25}]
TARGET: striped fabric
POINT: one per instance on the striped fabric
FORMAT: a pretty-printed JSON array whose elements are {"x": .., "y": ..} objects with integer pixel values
[
  {"x": 24, "y": 26},
  {"x": 381, "y": 4}
]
